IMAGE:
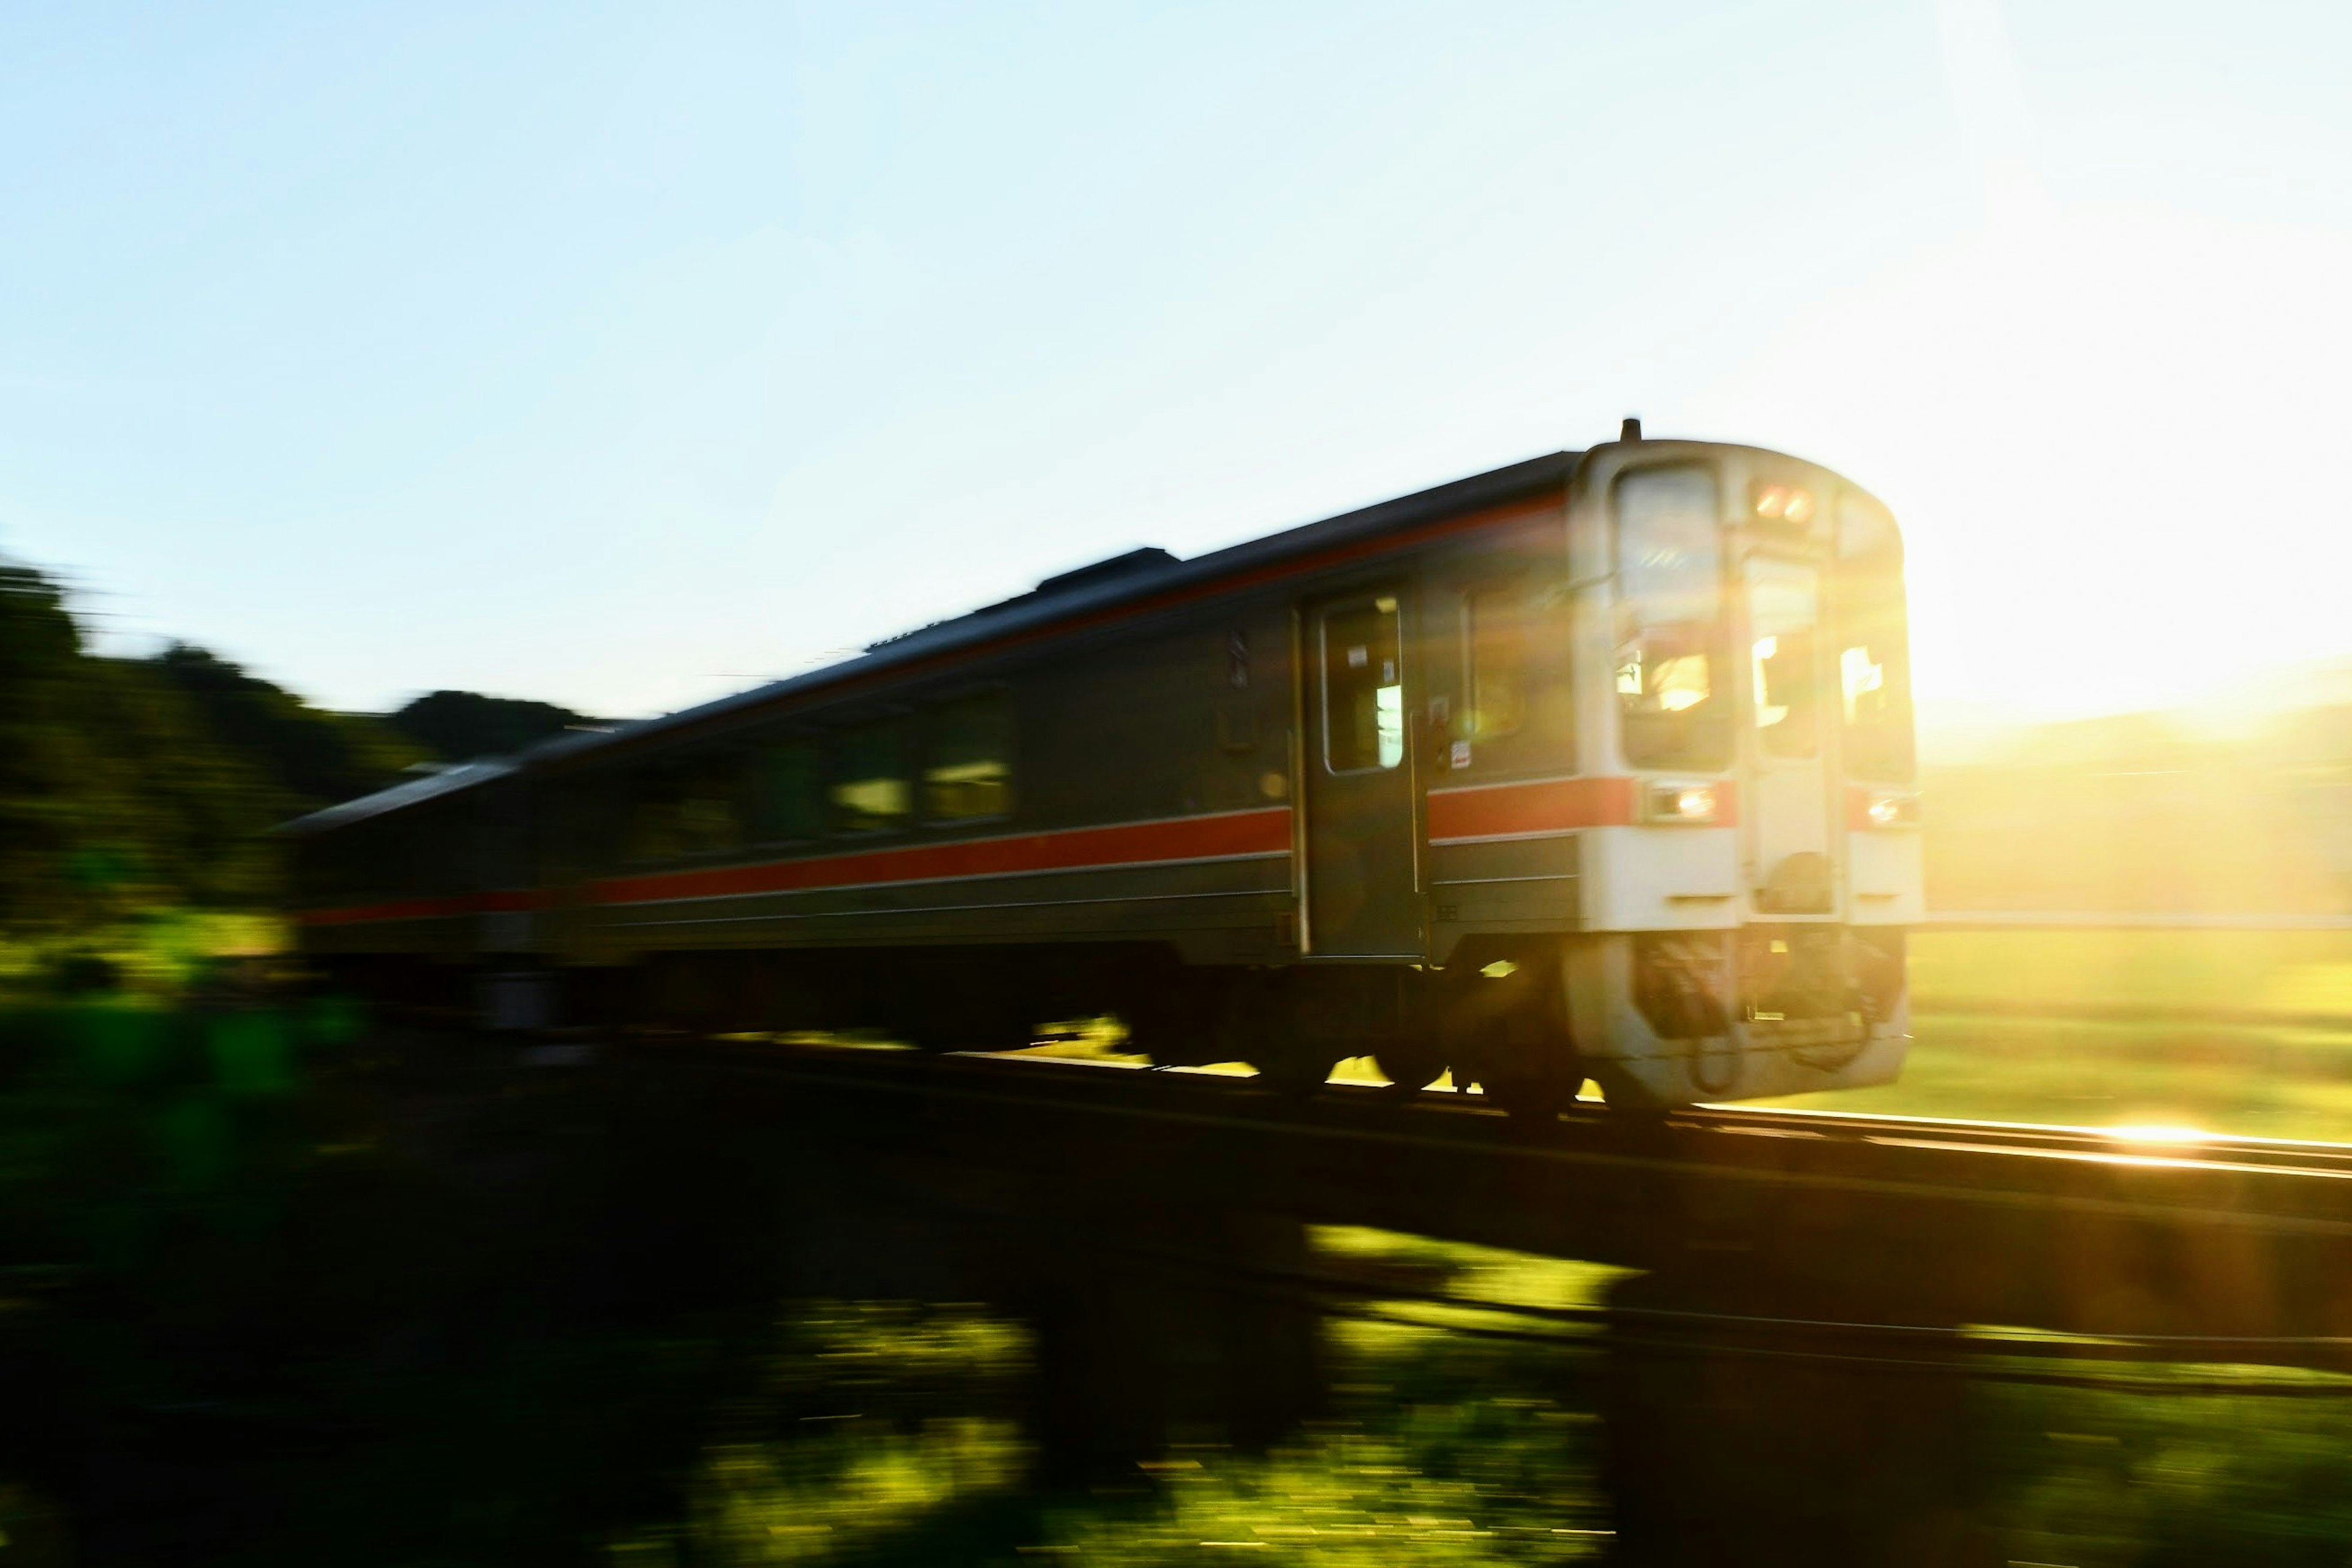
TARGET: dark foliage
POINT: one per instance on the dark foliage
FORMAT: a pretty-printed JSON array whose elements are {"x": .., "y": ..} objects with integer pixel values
[
  {"x": 130, "y": 783},
  {"x": 458, "y": 725},
  {"x": 112, "y": 785},
  {"x": 42, "y": 750},
  {"x": 309, "y": 756}
]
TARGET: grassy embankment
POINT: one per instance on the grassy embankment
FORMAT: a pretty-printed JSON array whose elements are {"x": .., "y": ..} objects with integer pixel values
[
  {"x": 2245, "y": 1032},
  {"x": 1444, "y": 1448},
  {"x": 160, "y": 954},
  {"x": 2228, "y": 1031},
  {"x": 194, "y": 1192},
  {"x": 1440, "y": 1447}
]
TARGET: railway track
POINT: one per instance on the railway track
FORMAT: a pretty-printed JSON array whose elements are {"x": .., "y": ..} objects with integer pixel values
[
  {"x": 2129, "y": 1145},
  {"x": 1469, "y": 1114},
  {"x": 2241, "y": 1248}
]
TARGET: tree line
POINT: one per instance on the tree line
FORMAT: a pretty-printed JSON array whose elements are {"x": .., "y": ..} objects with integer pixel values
[{"x": 130, "y": 783}]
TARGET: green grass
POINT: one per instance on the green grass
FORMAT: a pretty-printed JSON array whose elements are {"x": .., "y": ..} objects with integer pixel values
[
  {"x": 1439, "y": 1449},
  {"x": 2008, "y": 1027},
  {"x": 2274, "y": 1082},
  {"x": 2202, "y": 972},
  {"x": 2070, "y": 1026},
  {"x": 880, "y": 1437},
  {"x": 156, "y": 952},
  {"x": 892, "y": 1433}
]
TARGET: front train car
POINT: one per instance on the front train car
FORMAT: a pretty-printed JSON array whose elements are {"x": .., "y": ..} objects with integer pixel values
[
  {"x": 1595, "y": 766},
  {"x": 1745, "y": 918}
]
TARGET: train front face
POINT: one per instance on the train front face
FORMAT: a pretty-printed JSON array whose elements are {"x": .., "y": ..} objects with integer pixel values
[{"x": 1745, "y": 928}]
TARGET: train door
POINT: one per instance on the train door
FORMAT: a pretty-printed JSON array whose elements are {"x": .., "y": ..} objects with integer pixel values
[
  {"x": 1363, "y": 899},
  {"x": 1788, "y": 811}
]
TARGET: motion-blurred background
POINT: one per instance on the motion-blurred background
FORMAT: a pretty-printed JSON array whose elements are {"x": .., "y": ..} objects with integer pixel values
[{"x": 381, "y": 386}]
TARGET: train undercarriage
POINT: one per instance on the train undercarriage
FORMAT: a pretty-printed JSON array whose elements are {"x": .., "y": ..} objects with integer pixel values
[{"x": 1652, "y": 1019}]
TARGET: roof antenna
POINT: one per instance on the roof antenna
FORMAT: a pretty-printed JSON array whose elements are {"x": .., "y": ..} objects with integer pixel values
[{"x": 1632, "y": 429}]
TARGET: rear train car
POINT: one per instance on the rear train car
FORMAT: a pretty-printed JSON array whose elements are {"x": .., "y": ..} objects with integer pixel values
[{"x": 1594, "y": 767}]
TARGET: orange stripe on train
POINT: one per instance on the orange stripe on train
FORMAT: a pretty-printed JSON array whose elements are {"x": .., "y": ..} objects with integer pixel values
[
  {"x": 1226, "y": 834},
  {"x": 1218, "y": 836},
  {"x": 1546, "y": 806}
]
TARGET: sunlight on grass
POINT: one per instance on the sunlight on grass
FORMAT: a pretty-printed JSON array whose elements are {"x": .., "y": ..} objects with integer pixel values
[
  {"x": 153, "y": 951},
  {"x": 878, "y": 1417},
  {"x": 2280, "y": 975},
  {"x": 884, "y": 1435},
  {"x": 772, "y": 1502},
  {"x": 1100, "y": 1039},
  {"x": 888, "y": 1438},
  {"x": 1355, "y": 1498},
  {"x": 2263, "y": 1081},
  {"x": 1474, "y": 1273}
]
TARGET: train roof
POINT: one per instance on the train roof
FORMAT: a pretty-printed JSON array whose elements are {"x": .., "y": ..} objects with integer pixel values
[
  {"x": 1083, "y": 593},
  {"x": 408, "y": 792}
]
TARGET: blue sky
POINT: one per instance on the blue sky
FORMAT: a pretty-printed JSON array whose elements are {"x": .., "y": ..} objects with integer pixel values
[{"x": 626, "y": 355}]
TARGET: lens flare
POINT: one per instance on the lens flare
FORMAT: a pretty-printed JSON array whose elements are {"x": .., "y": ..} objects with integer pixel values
[{"x": 2159, "y": 1133}]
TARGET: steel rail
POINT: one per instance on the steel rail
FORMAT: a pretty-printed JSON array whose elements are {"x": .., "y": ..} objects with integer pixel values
[
  {"x": 1851, "y": 1149},
  {"x": 2136, "y": 1145},
  {"x": 2235, "y": 1245}
]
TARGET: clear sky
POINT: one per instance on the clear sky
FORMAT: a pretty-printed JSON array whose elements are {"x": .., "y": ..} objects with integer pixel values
[{"x": 625, "y": 355}]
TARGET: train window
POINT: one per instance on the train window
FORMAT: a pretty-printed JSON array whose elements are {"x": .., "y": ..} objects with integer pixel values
[
  {"x": 1874, "y": 671},
  {"x": 711, "y": 805},
  {"x": 968, "y": 758},
  {"x": 1873, "y": 663},
  {"x": 1670, "y": 701},
  {"x": 792, "y": 791},
  {"x": 653, "y": 833},
  {"x": 869, "y": 793},
  {"x": 1363, "y": 687},
  {"x": 1497, "y": 621},
  {"x": 1784, "y": 613}
]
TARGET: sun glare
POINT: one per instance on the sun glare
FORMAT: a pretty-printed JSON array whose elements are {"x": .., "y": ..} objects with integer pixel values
[
  {"x": 2158, "y": 1133},
  {"x": 2105, "y": 433}
]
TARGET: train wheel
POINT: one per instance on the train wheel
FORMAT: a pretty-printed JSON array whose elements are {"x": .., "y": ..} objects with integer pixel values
[
  {"x": 1410, "y": 1067},
  {"x": 1536, "y": 1097},
  {"x": 1297, "y": 1072}
]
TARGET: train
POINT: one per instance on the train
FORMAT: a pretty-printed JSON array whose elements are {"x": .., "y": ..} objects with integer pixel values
[{"x": 1592, "y": 771}]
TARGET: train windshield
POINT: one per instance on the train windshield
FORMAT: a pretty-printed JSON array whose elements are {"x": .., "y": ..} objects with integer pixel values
[
  {"x": 1671, "y": 698},
  {"x": 1874, "y": 666},
  {"x": 1782, "y": 616}
]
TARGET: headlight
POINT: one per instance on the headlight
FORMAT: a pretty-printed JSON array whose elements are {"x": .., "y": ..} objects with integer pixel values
[
  {"x": 1782, "y": 503},
  {"x": 1687, "y": 804},
  {"x": 1887, "y": 809}
]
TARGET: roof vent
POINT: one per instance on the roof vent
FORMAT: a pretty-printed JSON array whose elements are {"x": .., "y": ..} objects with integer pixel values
[
  {"x": 1632, "y": 429},
  {"x": 1150, "y": 558}
]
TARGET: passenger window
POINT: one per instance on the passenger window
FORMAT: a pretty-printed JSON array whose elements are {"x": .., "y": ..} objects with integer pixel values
[
  {"x": 1497, "y": 619},
  {"x": 792, "y": 791},
  {"x": 1782, "y": 614},
  {"x": 652, "y": 817},
  {"x": 710, "y": 807},
  {"x": 869, "y": 793},
  {"x": 1363, "y": 687},
  {"x": 1670, "y": 701},
  {"x": 967, "y": 759},
  {"x": 1873, "y": 656}
]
